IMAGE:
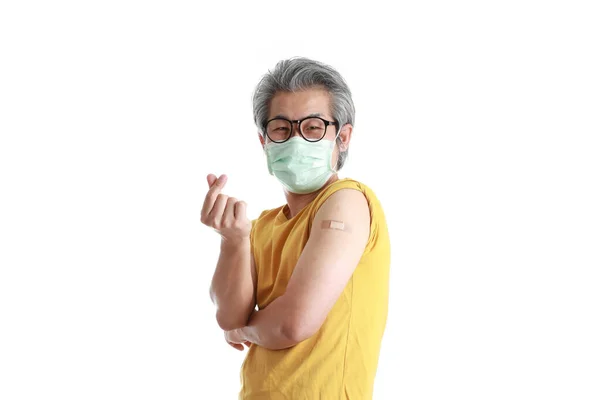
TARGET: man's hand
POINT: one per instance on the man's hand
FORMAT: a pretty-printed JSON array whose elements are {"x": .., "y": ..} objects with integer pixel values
[
  {"x": 234, "y": 339},
  {"x": 225, "y": 214}
]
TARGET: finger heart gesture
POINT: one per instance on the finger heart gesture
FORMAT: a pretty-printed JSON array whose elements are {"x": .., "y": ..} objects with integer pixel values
[{"x": 225, "y": 214}]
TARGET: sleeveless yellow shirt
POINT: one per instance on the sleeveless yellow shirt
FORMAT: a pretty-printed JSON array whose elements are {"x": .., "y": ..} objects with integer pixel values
[{"x": 340, "y": 360}]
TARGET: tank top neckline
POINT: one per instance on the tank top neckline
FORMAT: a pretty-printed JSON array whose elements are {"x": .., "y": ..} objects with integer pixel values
[{"x": 281, "y": 217}]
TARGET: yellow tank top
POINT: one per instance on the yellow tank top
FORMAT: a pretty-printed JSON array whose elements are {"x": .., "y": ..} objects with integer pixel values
[{"x": 340, "y": 360}]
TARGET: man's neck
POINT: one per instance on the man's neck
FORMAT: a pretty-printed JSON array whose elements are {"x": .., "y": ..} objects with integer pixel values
[{"x": 297, "y": 202}]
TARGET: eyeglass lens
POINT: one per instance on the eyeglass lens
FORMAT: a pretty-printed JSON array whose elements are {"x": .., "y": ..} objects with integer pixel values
[{"x": 312, "y": 129}]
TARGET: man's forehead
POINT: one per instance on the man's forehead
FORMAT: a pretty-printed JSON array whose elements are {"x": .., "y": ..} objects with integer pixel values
[
  {"x": 303, "y": 116},
  {"x": 292, "y": 105}
]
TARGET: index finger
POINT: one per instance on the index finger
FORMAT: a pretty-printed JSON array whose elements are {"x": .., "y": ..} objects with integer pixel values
[
  {"x": 212, "y": 194},
  {"x": 240, "y": 210}
]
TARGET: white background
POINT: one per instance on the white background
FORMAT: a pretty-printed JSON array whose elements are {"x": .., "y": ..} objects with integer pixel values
[{"x": 477, "y": 126}]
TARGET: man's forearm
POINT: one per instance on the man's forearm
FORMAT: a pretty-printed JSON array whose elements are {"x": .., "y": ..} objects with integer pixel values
[
  {"x": 232, "y": 289},
  {"x": 273, "y": 327}
]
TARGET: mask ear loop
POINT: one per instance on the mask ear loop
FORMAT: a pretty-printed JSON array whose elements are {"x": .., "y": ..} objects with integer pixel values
[{"x": 337, "y": 135}]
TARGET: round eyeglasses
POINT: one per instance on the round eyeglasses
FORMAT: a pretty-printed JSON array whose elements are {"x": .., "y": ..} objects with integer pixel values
[{"x": 312, "y": 129}]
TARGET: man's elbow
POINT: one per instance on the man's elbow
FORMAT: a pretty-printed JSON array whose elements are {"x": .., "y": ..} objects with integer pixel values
[
  {"x": 296, "y": 330},
  {"x": 229, "y": 321}
]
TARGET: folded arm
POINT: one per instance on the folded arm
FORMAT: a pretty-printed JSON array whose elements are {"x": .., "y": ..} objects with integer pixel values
[{"x": 324, "y": 268}]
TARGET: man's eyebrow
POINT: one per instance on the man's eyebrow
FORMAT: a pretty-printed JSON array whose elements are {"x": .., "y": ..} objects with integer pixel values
[{"x": 308, "y": 116}]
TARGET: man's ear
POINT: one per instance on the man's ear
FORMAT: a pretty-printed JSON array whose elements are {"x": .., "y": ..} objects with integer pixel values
[
  {"x": 345, "y": 136},
  {"x": 262, "y": 140}
]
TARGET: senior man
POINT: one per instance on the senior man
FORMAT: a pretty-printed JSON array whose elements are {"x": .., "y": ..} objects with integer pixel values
[{"x": 316, "y": 267}]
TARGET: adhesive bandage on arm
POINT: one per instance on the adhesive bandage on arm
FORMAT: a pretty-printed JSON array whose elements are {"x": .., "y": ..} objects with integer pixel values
[{"x": 336, "y": 225}]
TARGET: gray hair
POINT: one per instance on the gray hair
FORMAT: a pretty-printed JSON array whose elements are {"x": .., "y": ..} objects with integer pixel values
[{"x": 300, "y": 73}]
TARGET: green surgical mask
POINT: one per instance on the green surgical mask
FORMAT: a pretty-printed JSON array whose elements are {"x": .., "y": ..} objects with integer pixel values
[{"x": 301, "y": 166}]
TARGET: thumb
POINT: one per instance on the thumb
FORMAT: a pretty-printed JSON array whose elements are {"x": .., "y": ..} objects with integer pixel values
[{"x": 211, "y": 178}]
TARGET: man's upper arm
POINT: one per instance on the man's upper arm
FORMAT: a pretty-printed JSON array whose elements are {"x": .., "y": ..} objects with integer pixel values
[{"x": 337, "y": 240}]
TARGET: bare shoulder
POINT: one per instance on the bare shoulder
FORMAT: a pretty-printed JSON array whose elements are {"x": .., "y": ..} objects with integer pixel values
[
  {"x": 346, "y": 210},
  {"x": 345, "y": 200}
]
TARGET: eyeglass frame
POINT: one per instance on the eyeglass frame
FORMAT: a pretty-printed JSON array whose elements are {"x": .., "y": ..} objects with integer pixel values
[{"x": 299, "y": 122}]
